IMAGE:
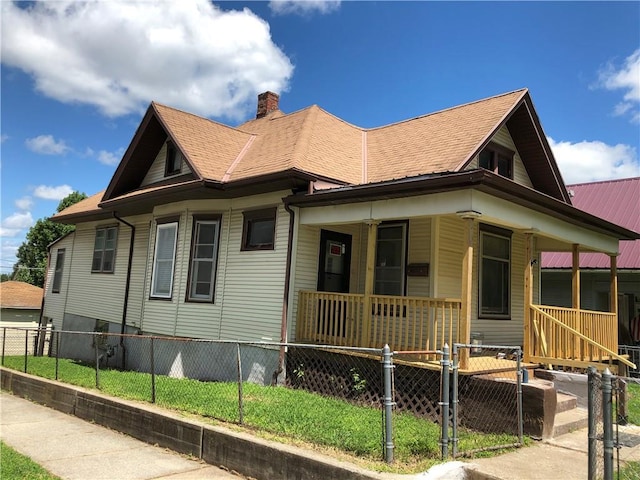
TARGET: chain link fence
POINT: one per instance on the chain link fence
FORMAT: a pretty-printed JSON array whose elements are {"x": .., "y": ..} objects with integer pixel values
[
  {"x": 613, "y": 438},
  {"x": 370, "y": 402}
]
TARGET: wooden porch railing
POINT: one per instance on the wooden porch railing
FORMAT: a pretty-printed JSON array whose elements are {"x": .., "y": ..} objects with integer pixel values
[
  {"x": 405, "y": 323},
  {"x": 573, "y": 337}
]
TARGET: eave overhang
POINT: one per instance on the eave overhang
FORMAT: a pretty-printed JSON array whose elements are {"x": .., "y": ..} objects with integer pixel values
[{"x": 479, "y": 179}]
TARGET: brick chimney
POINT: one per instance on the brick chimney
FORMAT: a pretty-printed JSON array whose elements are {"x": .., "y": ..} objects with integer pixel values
[{"x": 267, "y": 103}]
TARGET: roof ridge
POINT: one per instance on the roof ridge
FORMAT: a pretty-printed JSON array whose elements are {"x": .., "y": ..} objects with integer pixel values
[
  {"x": 598, "y": 182},
  {"x": 200, "y": 117},
  {"x": 455, "y": 107}
]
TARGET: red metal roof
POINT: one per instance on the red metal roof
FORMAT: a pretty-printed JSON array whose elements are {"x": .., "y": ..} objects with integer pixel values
[{"x": 617, "y": 201}]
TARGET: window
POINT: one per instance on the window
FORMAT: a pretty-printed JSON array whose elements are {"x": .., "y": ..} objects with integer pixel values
[
  {"x": 173, "y": 161},
  {"x": 204, "y": 254},
  {"x": 390, "y": 259},
  {"x": 57, "y": 275},
  {"x": 164, "y": 260},
  {"x": 495, "y": 272},
  {"x": 259, "y": 229},
  {"x": 104, "y": 250},
  {"x": 498, "y": 159}
]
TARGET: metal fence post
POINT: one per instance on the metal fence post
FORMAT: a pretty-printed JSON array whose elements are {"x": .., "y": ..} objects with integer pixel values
[
  {"x": 387, "y": 367},
  {"x": 240, "y": 397},
  {"x": 58, "y": 335},
  {"x": 454, "y": 403},
  {"x": 607, "y": 422},
  {"x": 4, "y": 342},
  {"x": 444, "y": 394},
  {"x": 95, "y": 346},
  {"x": 26, "y": 349},
  {"x": 521, "y": 373},
  {"x": 593, "y": 433},
  {"x": 153, "y": 372}
]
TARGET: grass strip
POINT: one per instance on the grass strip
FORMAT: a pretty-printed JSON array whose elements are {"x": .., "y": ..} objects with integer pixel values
[
  {"x": 14, "y": 466},
  {"x": 285, "y": 412}
]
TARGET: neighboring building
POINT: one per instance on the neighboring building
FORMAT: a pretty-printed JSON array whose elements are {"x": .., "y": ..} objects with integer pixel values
[
  {"x": 303, "y": 227},
  {"x": 619, "y": 202},
  {"x": 20, "y": 305}
]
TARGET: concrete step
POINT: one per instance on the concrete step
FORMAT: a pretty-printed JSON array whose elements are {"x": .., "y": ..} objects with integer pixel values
[
  {"x": 569, "y": 421},
  {"x": 566, "y": 401}
]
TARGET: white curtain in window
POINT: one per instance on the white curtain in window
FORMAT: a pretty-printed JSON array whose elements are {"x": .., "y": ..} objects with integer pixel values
[{"x": 164, "y": 260}]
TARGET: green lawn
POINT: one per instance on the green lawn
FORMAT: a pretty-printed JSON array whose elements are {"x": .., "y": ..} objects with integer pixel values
[
  {"x": 286, "y": 413},
  {"x": 633, "y": 403},
  {"x": 15, "y": 466}
]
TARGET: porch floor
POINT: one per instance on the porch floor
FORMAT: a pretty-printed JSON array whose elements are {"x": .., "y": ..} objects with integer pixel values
[{"x": 478, "y": 365}]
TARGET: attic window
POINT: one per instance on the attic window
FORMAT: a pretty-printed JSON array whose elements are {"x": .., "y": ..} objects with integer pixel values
[
  {"x": 498, "y": 159},
  {"x": 173, "y": 161}
]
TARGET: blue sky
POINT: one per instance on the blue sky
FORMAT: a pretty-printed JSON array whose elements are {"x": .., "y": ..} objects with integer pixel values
[{"x": 77, "y": 77}]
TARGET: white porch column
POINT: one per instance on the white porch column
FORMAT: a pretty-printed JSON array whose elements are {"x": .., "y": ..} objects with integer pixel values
[{"x": 467, "y": 285}]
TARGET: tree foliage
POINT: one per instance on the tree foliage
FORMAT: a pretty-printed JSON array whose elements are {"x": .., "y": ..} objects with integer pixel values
[{"x": 32, "y": 254}]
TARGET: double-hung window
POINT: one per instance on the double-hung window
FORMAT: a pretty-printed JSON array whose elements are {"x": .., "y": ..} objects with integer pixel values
[
  {"x": 495, "y": 272},
  {"x": 104, "y": 249},
  {"x": 57, "y": 275},
  {"x": 204, "y": 255},
  {"x": 164, "y": 259}
]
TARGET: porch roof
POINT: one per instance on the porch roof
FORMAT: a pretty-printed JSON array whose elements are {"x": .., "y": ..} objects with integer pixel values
[{"x": 480, "y": 179}]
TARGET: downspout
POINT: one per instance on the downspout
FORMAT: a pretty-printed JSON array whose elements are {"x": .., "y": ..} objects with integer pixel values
[
  {"x": 41, "y": 334},
  {"x": 285, "y": 298},
  {"x": 127, "y": 285}
]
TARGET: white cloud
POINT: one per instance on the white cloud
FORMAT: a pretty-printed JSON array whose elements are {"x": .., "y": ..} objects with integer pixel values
[
  {"x": 52, "y": 193},
  {"x": 47, "y": 145},
  {"x": 4, "y": 137},
  {"x": 24, "y": 203},
  {"x": 585, "y": 161},
  {"x": 303, "y": 7},
  {"x": 110, "y": 158},
  {"x": 626, "y": 78},
  {"x": 13, "y": 225},
  {"x": 119, "y": 55}
]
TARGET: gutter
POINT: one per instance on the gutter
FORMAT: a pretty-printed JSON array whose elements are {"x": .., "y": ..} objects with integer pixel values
[{"x": 127, "y": 284}]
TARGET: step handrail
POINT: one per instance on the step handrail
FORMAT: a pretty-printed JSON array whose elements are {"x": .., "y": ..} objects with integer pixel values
[{"x": 591, "y": 342}]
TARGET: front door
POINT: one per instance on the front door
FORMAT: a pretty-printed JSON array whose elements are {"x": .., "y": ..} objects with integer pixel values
[
  {"x": 334, "y": 266},
  {"x": 333, "y": 276}
]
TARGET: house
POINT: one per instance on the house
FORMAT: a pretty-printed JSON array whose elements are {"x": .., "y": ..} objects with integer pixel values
[
  {"x": 619, "y": 202},
  {"x": 301, "y": 227},
  {"x": 20, "y": 305}
]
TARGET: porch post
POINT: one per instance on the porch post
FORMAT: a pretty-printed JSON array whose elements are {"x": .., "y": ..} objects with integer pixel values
[
  {"x": 528, "y": 296},
  {"x": 614, "y": 284},
  {"x": 367, "y": 318},
  {"x": 575, "y": 278},
  {"x": 467, "y": 287}
]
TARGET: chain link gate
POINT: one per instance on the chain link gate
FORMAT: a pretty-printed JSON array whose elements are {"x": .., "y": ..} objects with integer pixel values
[{"x": 610, "y": 441}]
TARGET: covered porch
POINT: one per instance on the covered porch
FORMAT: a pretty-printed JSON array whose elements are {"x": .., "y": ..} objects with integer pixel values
[{"x": 448, "y": 306}]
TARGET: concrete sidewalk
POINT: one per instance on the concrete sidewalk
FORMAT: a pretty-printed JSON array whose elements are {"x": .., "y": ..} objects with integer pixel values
[{"x": 72, "y": 448}]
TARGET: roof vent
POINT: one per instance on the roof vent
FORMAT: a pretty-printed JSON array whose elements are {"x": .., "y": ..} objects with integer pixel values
[{"x": 267, "y": 103}]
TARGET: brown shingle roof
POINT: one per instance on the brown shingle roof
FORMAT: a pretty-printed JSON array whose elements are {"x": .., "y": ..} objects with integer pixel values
[
  {"x": 310, "y": 141},
  {"x": 20, "y": 295}
]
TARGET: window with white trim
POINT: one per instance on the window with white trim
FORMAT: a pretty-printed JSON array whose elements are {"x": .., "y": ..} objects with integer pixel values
[
  {"x": 204, "y": 256},
  {"x": 164, "y": 259},
  {"x": 495, "y": 273},
  {"x": 57, "y": 275},
  {"x": 104, "y": 250}
]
